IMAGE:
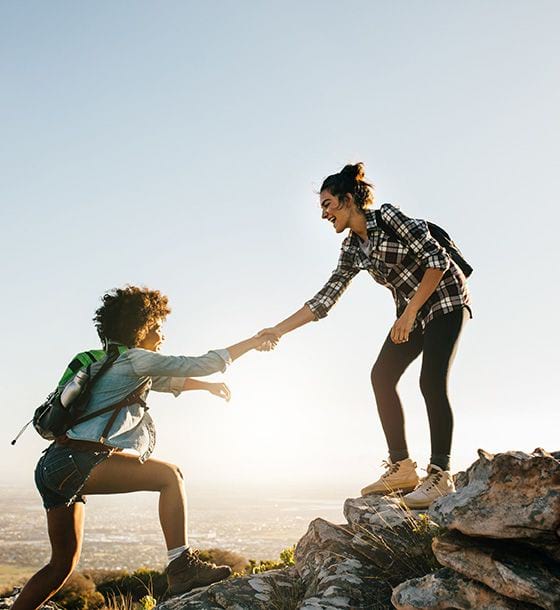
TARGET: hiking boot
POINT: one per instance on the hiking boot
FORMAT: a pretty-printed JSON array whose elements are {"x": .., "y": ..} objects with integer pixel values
[
  {"x": 399, "y": 476},
  {"x": 438, "y": 483},
  {"x": 189, "y": 572}
]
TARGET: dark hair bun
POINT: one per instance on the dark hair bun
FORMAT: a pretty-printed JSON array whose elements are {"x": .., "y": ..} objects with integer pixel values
[
  {"x": 354, "y": 172},
  {"x": 351, "y": 179}
]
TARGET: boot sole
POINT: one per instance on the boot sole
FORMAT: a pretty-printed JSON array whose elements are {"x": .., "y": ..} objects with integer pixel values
[
  {"x": 416, "y": 506},
  {"x": 389, "y": 490},
  {"x": 195, "y": 586},
  {"x": 423, "y": 505}
]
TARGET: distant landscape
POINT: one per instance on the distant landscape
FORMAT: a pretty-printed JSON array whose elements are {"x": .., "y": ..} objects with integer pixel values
[{"x": 122, "y": 532}]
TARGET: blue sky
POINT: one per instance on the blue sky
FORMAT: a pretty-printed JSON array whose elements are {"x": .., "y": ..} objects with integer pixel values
[{"x": 180, "y": 145}]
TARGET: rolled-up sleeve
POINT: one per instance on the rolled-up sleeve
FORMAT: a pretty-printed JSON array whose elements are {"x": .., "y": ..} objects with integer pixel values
[
  {"x": 329, "y": 294},
  {"x": 415, "y": 234},
  {"x": 148, "y": 363},
  {"x": 173, "y": 385}
]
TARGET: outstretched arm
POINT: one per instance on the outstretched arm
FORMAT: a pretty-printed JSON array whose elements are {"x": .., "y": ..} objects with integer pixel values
[
  {"x": 264, "y": 342},
  {"x": 218, "y": 389},
  {"x": 319, "y": 306},
  {"x": 299, "y": 318}
]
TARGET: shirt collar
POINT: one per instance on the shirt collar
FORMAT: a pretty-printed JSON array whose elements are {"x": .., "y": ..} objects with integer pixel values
[
  {"x": 371, "y": 224},
  {"x": 108, "y": 343}
]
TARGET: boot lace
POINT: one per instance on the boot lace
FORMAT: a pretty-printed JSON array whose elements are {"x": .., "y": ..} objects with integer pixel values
[
  {"x": 197, "y": 561},
  {"x": 432, "y": 480},
  {"x": 390, "y": 468}
]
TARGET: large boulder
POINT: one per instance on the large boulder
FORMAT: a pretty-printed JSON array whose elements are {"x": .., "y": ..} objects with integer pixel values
[
  {"x": 446, "y": 590},
  {"x": 512, "y": 495},
  {"x": 335, "y": 572},
  {"x": 510, "y": 569}
]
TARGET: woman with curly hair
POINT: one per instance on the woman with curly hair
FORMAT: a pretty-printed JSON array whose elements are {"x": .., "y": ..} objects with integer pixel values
[
  {"x": 88, "y": 459},
  {"x": 432, "y": 302}
]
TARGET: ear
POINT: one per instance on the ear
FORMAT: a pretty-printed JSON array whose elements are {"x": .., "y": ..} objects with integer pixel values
[{"x": 347, "y": 200}]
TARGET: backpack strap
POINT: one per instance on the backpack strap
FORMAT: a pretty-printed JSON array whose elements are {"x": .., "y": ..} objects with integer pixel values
[
  {"x": 385, "y": 227},
  {"x": 135, "y": 397},
  {"x": 112, "y": 354}
]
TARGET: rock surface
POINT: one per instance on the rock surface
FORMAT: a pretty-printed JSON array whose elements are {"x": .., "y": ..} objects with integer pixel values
[
  {"x": 446, "y": 590},
  {"x": 266, "y": 591},
  {"x": 512, "y": 495},
  {"x": 511, "y": 570},
  {"x": 333, "y": 570}
]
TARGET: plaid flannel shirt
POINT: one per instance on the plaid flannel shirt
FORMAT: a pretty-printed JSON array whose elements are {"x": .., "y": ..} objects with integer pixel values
[{"x": 398, "y": 265}]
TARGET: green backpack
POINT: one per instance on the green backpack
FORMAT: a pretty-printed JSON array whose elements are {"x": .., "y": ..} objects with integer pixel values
[{"x": 65, "y": 406}]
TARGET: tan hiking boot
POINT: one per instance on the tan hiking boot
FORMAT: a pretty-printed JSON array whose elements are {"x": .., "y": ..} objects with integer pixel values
[
  {"x": 189, "y": 572},
  {"x": 400, "y": 476},
  {"x": 438, "y": 483}
]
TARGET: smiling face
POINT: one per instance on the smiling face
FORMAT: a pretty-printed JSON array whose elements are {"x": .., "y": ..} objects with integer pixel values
[
  {"x": 154, "y": 338},
  {"x": 336, "y": 210}
]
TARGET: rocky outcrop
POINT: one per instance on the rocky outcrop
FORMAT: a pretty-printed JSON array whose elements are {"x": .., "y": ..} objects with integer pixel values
[
  {"x": 513, "y": 496},
  {"x": 501, "y": 547},
  {"x": 345, "y": 566}
]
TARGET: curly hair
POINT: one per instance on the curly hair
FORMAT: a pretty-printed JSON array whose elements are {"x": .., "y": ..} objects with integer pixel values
[
  {"x": 128, "y": 313},
  {"x": 350, "y": 180}
]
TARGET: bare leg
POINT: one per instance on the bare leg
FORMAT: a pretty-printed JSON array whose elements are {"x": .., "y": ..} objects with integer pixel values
[
  {"x": 123, "y": 473},
  {"x": 66, "y": 531}
]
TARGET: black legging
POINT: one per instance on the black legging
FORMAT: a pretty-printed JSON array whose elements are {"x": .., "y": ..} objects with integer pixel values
[{"x": 438, "y": 343}]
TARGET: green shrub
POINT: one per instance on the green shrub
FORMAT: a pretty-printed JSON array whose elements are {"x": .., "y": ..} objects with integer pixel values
[
  {"x": 286, "y": 560},
  {"x": 137, "y": 585},
  {"x": 79, "y": 593},
  {"x": 235, "y": 561},
  {"x": 147, "y": 603}
]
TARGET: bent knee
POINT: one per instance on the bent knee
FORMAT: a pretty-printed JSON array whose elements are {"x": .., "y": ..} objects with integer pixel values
[
  {"x": 63, "y": 566},
  {"x": 381, "y": 378},
  {"x": 173, "y": 473}
]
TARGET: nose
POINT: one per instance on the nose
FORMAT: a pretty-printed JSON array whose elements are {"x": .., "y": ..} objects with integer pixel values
[{"x": 324, "y": 213}]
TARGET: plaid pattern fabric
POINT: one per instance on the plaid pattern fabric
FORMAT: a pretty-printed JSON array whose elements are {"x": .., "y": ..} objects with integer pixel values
[{"x": 398, "y": 265}]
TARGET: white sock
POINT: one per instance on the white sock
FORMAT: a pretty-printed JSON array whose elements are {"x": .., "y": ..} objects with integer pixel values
[{"x": 176, "y": 552}]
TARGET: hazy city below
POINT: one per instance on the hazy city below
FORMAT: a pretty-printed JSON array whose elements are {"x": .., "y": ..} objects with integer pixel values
[{"x": 123, "y": 531}]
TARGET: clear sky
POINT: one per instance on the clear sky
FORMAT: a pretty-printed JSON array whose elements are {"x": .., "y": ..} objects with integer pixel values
[{"x": 180, "y": 145}]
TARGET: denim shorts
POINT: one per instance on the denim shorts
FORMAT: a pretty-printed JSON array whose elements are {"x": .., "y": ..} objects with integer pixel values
[{"x": 61, "y": 473}]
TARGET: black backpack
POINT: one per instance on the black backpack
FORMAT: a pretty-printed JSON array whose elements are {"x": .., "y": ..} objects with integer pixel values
[{"x": 440, "y": 235}]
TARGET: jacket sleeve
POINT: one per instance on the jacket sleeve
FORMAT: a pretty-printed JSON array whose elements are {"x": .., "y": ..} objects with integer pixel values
[
  {"x": 146, "y": 363},
  {"x": 339, "y": 280},
  {"x": 172, "y": 385},
  {"x": 415, "y": 234}
]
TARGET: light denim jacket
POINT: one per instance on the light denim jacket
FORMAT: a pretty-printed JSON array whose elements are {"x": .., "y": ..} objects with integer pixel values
[{"x": 134, "y": 428}]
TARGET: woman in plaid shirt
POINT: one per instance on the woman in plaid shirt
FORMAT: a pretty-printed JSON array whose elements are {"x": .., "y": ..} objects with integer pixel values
[{"x": 432, "y": 302}]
